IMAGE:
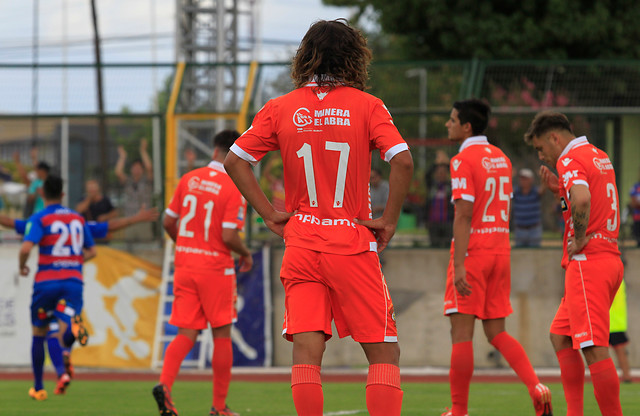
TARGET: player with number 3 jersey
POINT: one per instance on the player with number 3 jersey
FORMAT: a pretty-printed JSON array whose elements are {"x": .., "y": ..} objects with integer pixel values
[
  {"x": 325, "y": 131},
  {"x": 479, "y": 273},
  {"x": 65, "y": 242},
  {"x": 586, "y": 186}
]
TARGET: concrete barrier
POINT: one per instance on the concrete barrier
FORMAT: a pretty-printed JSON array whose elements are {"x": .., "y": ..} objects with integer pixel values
[{"x": 416, "y": 279}]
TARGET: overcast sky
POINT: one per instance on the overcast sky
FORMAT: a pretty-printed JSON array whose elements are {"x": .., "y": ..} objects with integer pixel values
[{"x": 126, "y": 25}]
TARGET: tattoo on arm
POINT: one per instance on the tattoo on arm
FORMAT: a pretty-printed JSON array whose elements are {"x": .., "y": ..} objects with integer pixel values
[{"x": 580, "y": 222}]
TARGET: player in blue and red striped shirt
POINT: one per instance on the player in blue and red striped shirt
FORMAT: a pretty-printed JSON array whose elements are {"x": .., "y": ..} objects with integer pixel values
[{"x": 64, "y": 242}]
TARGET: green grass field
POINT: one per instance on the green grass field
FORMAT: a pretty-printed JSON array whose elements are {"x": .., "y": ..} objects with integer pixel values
[{"x": 89, "y": 398}]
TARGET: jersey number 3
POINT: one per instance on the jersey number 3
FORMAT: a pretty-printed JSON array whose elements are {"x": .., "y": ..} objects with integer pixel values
[{"x": 305, "y": 153}]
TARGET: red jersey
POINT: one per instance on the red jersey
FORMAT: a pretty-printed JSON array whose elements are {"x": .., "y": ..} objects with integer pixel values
[
  {"x": 481, "y": 173},
  {"x": 581, "y": 163},
  {"x": 325, "y": 139},
  {"x": 206, "y": 201}
]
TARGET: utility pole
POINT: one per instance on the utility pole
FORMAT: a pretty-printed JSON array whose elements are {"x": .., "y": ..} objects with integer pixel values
[{"x": 102, "y": 128}]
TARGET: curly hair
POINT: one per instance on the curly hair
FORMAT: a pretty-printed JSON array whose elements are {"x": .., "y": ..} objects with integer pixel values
[{"x": 332, "y": 53}]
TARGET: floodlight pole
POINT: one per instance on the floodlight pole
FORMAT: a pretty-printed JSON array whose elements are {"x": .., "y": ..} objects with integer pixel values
[{"x": 102, "y": 128}]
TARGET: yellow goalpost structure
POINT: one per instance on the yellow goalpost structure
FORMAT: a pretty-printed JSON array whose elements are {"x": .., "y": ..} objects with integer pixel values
[{"x": 173, "y": 121}]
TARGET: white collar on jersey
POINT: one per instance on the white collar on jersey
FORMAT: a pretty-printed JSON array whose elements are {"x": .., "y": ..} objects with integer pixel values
[
  {"x": 469, "y": 141},
  {"x": 217, "y": 166},
  {"x": 577, "y": 142}
]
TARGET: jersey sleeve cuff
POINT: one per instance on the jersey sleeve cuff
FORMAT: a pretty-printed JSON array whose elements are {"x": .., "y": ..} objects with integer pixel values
[
  {"x": 243, "y": 155},
  {"x": 464, "y": 197},
  {"x": 171, "y": 213},
  {"x": 231, "y": 225},
  {"x": 389, "y": 154}
]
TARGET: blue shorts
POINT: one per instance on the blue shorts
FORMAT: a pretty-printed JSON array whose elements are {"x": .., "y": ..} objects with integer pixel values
[{"x": 55, "y": 299}]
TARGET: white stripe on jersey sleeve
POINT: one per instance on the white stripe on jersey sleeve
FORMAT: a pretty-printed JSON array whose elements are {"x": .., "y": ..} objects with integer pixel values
[
  {"x": 171, "y": 213},
  {"x": 231, "y": 225},
  {"x": 467, "y": 197},
  {"x": 242, "y": 154},
  {"x": 394, "y": 151}
]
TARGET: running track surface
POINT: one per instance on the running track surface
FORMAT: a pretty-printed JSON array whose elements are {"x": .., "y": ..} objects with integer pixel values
[{"x": 261, "y": 376}]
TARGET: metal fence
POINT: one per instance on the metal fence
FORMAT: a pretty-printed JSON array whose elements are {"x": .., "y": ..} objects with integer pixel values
[{"x": 54, "y": 107}]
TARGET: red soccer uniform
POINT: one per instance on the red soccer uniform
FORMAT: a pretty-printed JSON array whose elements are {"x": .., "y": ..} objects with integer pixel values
[
  {"x": 206, "y": 201},
  {"x": 330, "y": 269},
  {"x": 481, "y": 174},
  {"x": 593, "y": 275},
  {"x": 325, "y": 140},
  {"x": 584, "y": 164}
]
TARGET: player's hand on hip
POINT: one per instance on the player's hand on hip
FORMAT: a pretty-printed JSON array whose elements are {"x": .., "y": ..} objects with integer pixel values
[
  {"x": 575, "y": 246},
  {"x": 549, "y": 179},
  {"x": 24, "y": 271},
  {"x": 381, "y": 229},
  {"x": 460, "y": 281},
  {"x": 277, "y": 220},
  {"x": 246, "y": 263}
]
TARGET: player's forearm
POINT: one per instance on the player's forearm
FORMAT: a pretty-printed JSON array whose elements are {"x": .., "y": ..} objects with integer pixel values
[
  {"x": 25, "y": 250},
  {"x": 399, "y": 182},
  {"x": 107, "y": 216},
  {"x": 461, "y": 233},
  {"x": 7, "y": 221},
  {"x": 580, "y": 198},
  {"x": 240, "y": 171},
  {"x": 170, "y": 225},
  {"x": 233, "y": 241}
]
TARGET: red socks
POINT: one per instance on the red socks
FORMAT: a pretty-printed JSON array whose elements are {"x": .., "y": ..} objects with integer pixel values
[
  {"x": 221, "y": 366},
  {"x": 606, "y": 387},
  {"x": 173, "y": 357},
  {"x": 384, "y": 396},
  {"x": 460, "y": 376},
  {"x": 572, "y": 375},
  {"x": 306, "y": 388},
  {"x": 517, "y": 358}
]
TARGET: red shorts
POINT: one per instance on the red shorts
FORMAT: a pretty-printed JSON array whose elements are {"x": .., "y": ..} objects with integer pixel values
[
  {"x": 350, "y": 289},
  {"x": 202, "y": 298},
  {"x": 589, "y": 289},
  {"x": 490, "y": 278}
]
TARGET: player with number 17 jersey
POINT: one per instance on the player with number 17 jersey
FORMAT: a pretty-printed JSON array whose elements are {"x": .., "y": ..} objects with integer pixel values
[
  {"x": 325, "y": 139},
  {"x": 199, "y": 244}
]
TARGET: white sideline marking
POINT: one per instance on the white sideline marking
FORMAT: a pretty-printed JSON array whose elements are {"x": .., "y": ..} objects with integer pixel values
[{"x": 345, "y": 412}]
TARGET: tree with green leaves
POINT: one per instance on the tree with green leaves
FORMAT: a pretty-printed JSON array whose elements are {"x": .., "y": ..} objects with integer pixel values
[{"x": 508, "y": 29}]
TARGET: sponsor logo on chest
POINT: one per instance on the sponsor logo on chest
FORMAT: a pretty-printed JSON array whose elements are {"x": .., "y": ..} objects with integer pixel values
[
  {"x": 492, "y": 163},
  {"x": 305, "y": 120}
]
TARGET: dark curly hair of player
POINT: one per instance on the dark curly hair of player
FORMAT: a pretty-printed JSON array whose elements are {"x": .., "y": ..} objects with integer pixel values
[{"x": 332, "y": 53}]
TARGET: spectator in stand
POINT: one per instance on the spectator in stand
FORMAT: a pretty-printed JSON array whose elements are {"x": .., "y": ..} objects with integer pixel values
[
  {"x": 96, "y": 206},
  {"x": 635, "y": 210},
  {"x": 379, "y": 192},
  {"x": 527, "y": 218},
  {"x": 439, "y": 207},
  {"x": 138, "y": 190}
]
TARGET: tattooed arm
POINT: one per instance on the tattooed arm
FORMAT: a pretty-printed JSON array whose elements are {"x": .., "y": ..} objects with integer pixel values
[{"x": 580, "y": 199}]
